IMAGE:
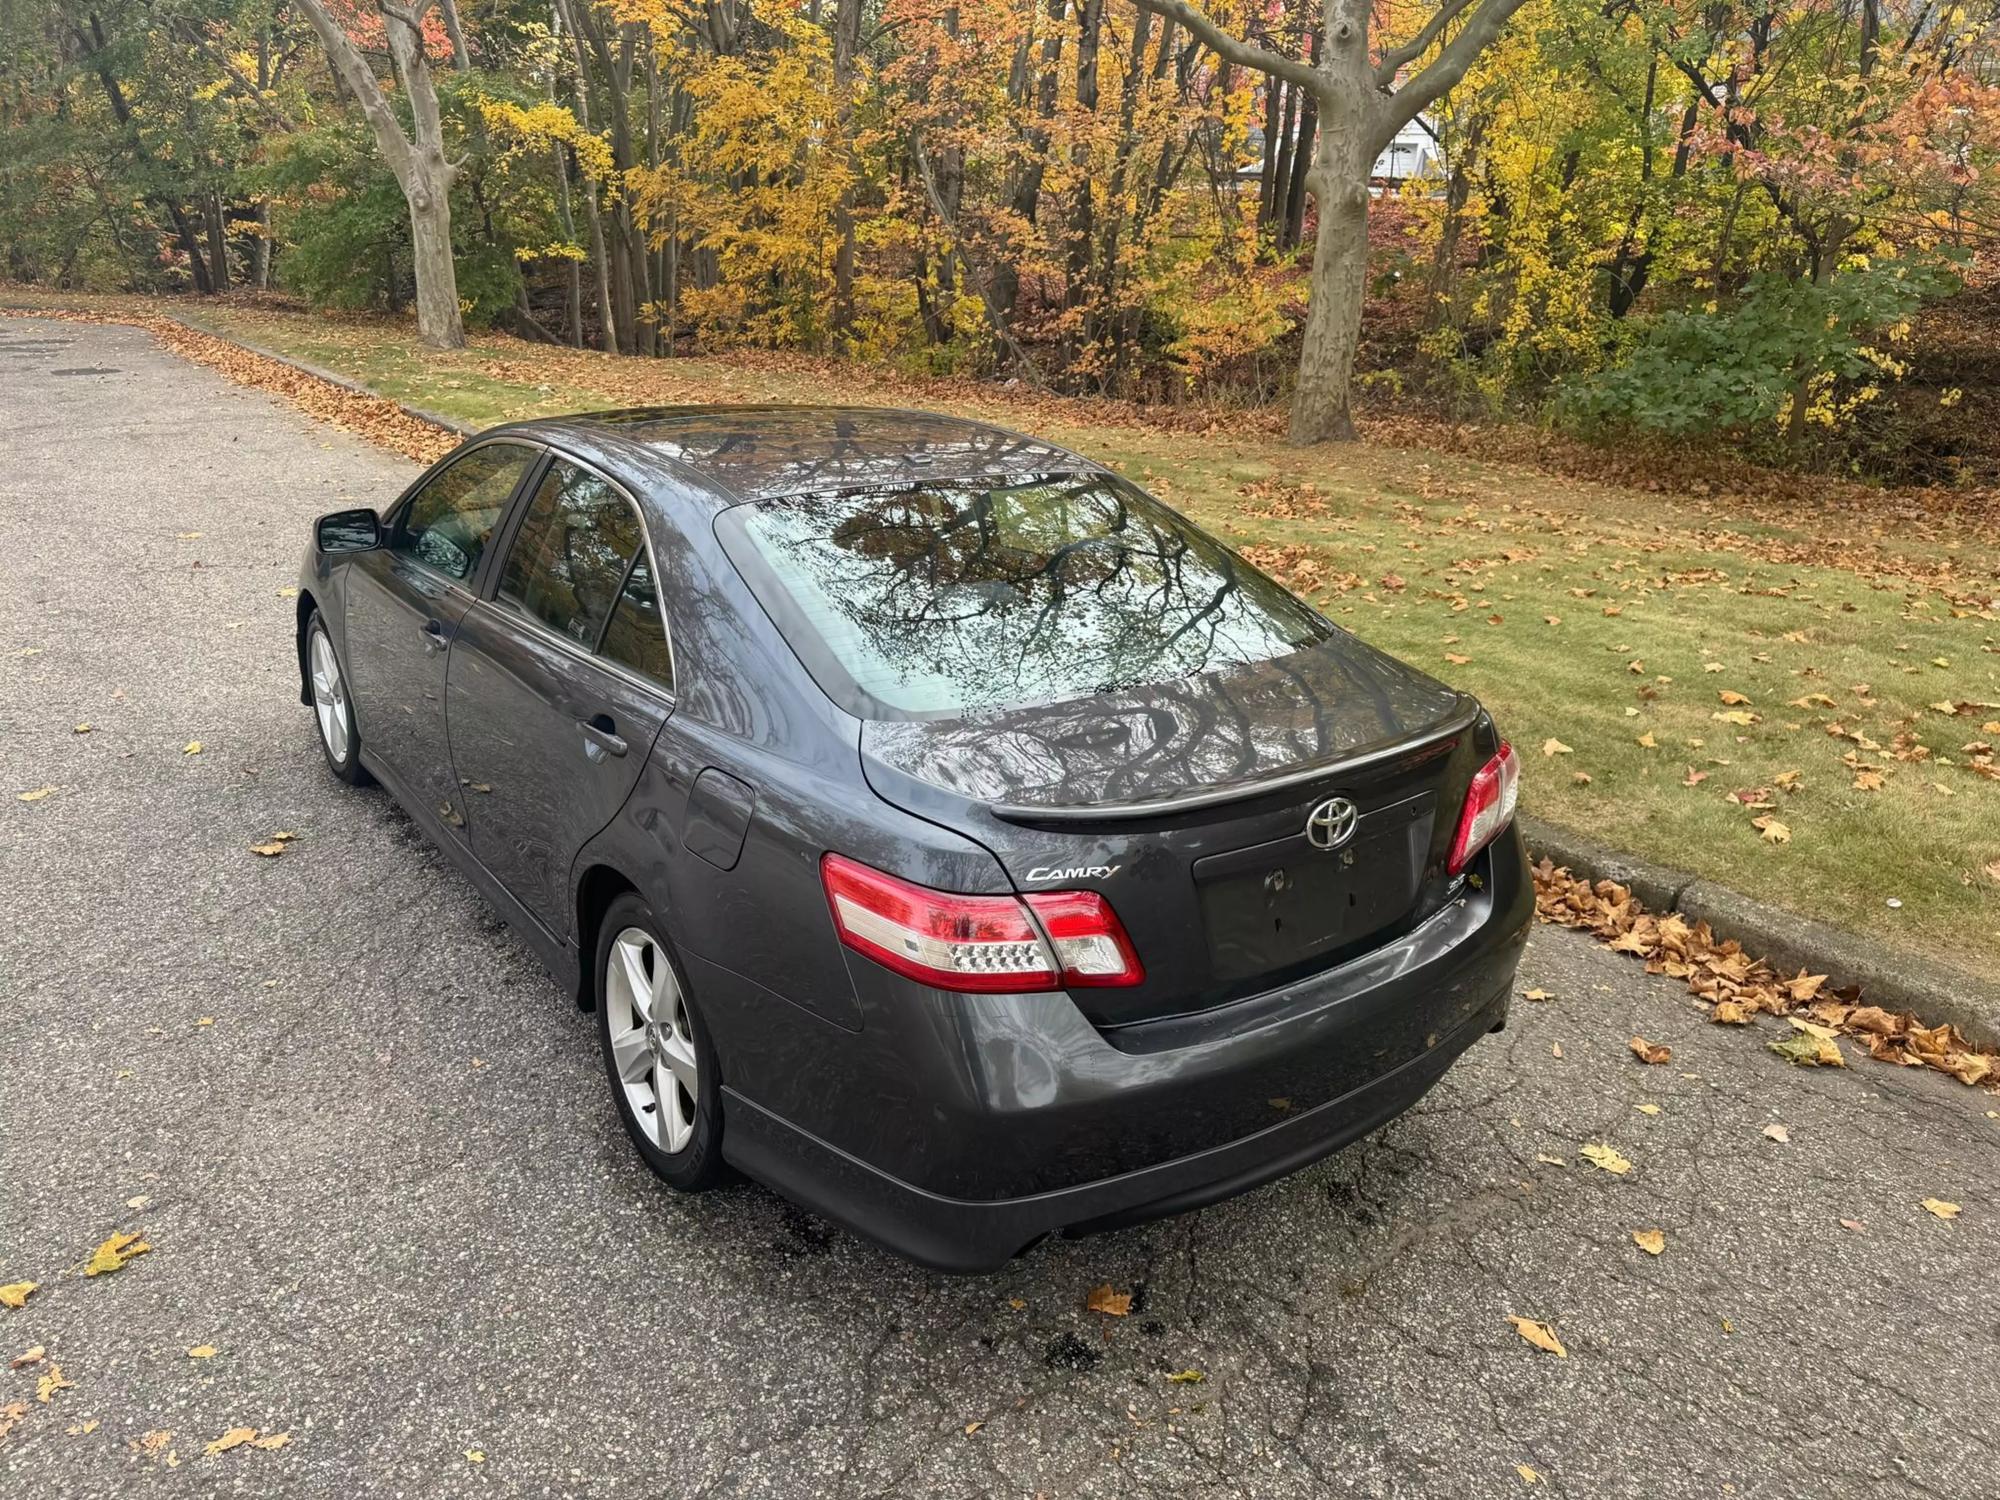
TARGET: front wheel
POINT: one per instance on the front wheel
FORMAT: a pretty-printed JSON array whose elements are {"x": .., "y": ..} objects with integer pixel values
[
  {"x": 333, "y": 708},
  {"x": 664, "y": 1080}
]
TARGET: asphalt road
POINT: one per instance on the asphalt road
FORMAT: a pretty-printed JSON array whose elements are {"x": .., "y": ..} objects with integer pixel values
[{"x": 372, "y": 1150}]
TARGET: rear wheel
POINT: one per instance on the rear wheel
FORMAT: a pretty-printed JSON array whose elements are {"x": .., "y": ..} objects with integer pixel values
[
  {"x": 333, "y": 709},
  {"x": 664, "y": 1081}
]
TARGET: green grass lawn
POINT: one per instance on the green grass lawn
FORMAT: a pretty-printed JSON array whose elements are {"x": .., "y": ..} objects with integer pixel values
[{"x": 1858, "y": 644}]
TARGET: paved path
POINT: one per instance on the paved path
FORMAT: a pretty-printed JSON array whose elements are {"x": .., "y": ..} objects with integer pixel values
[{"x": 386, "y": 1185}]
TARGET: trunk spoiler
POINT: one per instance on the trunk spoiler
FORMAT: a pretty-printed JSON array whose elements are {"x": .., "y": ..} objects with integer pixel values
[{"x": 1438, "y": 740}]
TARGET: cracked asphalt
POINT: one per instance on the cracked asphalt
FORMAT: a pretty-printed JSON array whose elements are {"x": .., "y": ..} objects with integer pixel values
[{"x": 371, "y": 1148}]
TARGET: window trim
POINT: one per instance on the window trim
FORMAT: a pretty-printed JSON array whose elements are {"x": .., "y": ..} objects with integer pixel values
[
  {"x": 503, "y": 530},
  {"x": 507, "y": 609}
]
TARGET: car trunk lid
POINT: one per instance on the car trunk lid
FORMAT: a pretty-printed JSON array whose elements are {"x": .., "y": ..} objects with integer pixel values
[{"x": 1186, "y": 804}]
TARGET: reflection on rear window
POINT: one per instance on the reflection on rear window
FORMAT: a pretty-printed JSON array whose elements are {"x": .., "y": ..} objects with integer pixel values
[{"x": 947, "y": 598}]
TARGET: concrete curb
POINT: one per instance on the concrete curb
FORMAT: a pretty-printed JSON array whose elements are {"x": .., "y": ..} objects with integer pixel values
[
  {"x": 1886, "y": 976},
  {"x": 331, "y": 377}
]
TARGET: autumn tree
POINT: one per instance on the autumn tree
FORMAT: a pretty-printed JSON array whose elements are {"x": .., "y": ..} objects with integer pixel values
[
  {"x": 1360, "y": 105},
  {"x": 416, "y": 155}
]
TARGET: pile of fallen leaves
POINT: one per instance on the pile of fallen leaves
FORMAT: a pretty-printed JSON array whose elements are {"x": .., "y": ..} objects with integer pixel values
[{"x": 1735, "y": 986}]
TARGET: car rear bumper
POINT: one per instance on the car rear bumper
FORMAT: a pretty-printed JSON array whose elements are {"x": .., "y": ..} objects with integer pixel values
[{"x": 1004, "y": 1118}]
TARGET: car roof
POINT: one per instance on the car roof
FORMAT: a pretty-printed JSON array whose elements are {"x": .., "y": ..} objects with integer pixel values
[{"x": 761, "y": 452}]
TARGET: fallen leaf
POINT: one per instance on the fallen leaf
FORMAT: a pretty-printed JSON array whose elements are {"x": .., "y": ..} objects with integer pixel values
[
  {"x": 52, "y": 1380},
  {"x": 1528, "y": 1475},
  {"x": 1694, "y": 777},
  {"x": 11, "y": 1413},
  {"x": 1729, "y": 1013},
  {"x": 1647, "y": 742},
  {"x": 1186, "y": 1377},
  {"x": 202, "y": 1351},
  {"x": 1854, "y": 1224},
  {"x": 1607, "y": 1158},
  {"x": 1942, "y": 1208},
  {"x": 37, "y": 794},
  {"x": 271, "y": 1440},
  {"x": 115, "y": 1252},
  {"x": 1551, "y": 1161},
  {"x": 1773, "y": 831},
  {"x": 474, "y": 1456},
  {"x": 1867, "y": 781},
  {"x": 236, "y": 1437},
  {"x": 1652, "y": 1241},
  {"x": 1456, "y": 660},
  {"x": 1104, "y": 1300},
  {"x": 27, "y": 1357},
  {"x": 1741, "y": 717},
  {"x": 972, "y": 1427},
  {"x": 15, "y": 1293},
  {"x": 1536, "y": 995},
  {"x": 1778, "y": 1133},
  {"x": 1650, "y": 1052},
  {"x": 1555, "y": 1049},
  {"x": 83, "y": 728},
  {"x": 1553, "y": 747},
  {"x": 193, "y": 747},
  {"x": 1732, "y": 700},
  {"x": 1017, "y": 1303},
  {"x": 270, "y": 850},
  {"x": 1805, "y": 1051},
  {"x": 1647, "y": 1109},
  {"x": 1581, "y": 778},
  {"x": 1541, "y": 1335}
]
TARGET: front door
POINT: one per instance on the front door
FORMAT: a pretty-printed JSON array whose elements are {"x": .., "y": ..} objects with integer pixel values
[
  {"x": 558, "y": 686},
  {"x": 405, "y": 600}
]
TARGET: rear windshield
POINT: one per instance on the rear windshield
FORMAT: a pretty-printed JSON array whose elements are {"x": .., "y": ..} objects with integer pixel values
[{"x": 945, "y": 598}]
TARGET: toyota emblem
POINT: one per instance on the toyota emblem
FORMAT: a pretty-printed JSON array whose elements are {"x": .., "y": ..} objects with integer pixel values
[{"x": 1331, "y": 824}]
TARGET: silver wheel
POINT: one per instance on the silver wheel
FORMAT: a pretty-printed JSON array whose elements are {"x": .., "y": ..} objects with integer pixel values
[
  {"x": 329, "y": 698},
  {"x": 651, "y": 1044}
]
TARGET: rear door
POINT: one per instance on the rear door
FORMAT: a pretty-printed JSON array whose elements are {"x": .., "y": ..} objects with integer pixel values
[
  {"x": 560, "y": 680},
  {"x": 404, "y": 603}
]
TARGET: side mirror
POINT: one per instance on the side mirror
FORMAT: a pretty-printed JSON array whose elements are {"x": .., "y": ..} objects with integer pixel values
[{"x": 348, "y": 531}]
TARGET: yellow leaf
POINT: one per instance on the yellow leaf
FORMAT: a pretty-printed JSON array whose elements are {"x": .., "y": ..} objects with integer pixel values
[
  {"x": 1773, "y": 831},
  {"x": 1650, "y": 1052},
  {"x": 51, "y": 1382},
  {"x": 1186, "y": 1377},
  {"x": 1732, "y": 700},
  {"x": 114, "y": 1252},
  {"x": 83, "y": 728},
  {"x": 193, "y": 747},
  {"x": 1738, "y": 716},
  {"x": 202, "y": 1351},
  {"x": 15, "y": 1293},
  {"x": 1541, "y": 1335},
  {"x": 1607, "y": 1158},
  {"x": 1536, "y": 995},
  {"x": 972, "y": 1427},
  {"x": 1652, "y": 1241},
  {"x": 1942, "y": 1208},
  {"x": 1552, "y": 747},
  {"x": 1647, "y": 742},
  {"x": 37, "y": 794},
  {"x": 474, "y": 1456},
  {"x": 1528, "y": 1475},
  {"x": 1647, "y": 1109},
  {"x": 236, "y": 1437},
  {"x": 1104, "y": 1300},
  {"x": 270, "y": 850},
  {"x": 271, "y": 1440}
]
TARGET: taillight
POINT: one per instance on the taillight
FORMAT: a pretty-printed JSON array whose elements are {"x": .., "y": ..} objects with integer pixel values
[
  {"x": 978, "y": 943},
  {"x": 1489, "y": 807}
]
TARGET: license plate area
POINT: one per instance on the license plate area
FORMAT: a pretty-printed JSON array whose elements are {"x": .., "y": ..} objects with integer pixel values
[{"x": 1278, "y": 905}]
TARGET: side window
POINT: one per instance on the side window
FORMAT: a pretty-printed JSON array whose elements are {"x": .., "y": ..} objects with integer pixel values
[
  {"x": 570, "y": 557},
  {"x": 637, "y": 634},
  {"x": 448, "y": 522}
]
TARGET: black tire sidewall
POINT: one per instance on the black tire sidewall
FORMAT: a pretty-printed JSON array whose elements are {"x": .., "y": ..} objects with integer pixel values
[
  {"x": 698, "y": 1164},
  {"x": 348, "y": 770}
]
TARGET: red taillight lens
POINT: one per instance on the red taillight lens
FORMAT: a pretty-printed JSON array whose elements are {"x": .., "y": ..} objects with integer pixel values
[
  {"x": 1489, "y": 807},
  {"x": 977, "y": 943},
  {"x": 1089, "y": 940}
]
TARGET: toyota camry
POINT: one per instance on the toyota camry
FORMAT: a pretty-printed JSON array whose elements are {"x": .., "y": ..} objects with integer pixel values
[{"x": 943, "y": 831}]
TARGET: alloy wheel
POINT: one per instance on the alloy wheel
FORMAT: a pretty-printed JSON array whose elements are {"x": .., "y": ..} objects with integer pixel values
[
  {"x": 329, "y": 698},
  {"x": 651, "y": 1043}
]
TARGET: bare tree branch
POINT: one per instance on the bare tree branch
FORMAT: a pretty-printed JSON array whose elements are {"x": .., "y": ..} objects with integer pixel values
[
  {"x": 1446, "y": 69},
  {"x": 1396, "y": 57},
  {"x": 1233, "y": 49}
]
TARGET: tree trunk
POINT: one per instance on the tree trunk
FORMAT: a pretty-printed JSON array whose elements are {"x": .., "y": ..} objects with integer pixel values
[
  {"x": 1338, "y": 182},
  {"x": 218, "y": 244},
  {"x": 439, "y": 323},
  {"x": 846, "y": 48}
]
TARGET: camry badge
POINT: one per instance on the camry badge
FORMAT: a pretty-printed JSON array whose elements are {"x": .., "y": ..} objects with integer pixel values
[{"x": 1332, "y": 823}]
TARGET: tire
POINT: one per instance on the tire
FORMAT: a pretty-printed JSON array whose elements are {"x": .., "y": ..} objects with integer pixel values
[
  {"x": 333, "y": 706},
  {"x": 665, "y": 1084}
]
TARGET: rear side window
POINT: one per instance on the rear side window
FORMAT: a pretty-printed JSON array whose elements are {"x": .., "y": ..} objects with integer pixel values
[
  {"x": 637, "y": 634},
  {"x": 448, "y": 522},
  {"x": 568, "y": 563},
  {"x": 946, "y": 598}
]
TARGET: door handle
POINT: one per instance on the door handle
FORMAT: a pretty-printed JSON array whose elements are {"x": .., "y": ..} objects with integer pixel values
[
  {"x": 600, "y": 737},
  {"x": 432, "y": 635}
]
